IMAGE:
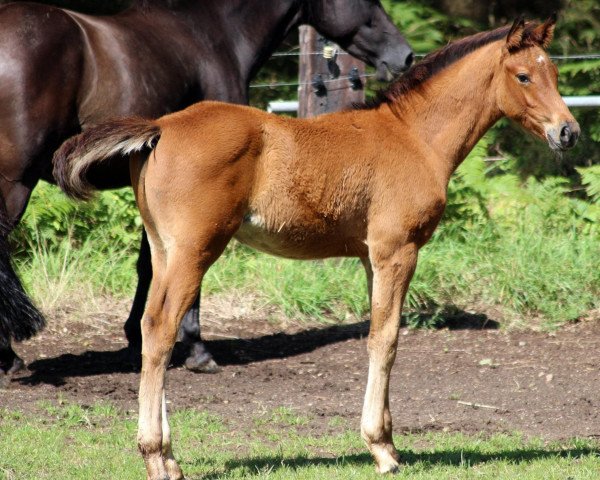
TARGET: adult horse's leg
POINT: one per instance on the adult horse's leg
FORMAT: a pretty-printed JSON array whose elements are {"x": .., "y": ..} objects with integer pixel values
[
  {"x": 42, "y": 56},
  {"x": 19, "y": 319},
  {"x": 9, "y": 361},
  {"x": 393, "y": 267},
  {"x": 133, "y": 331},
  {"x": 198, "y": 359}
]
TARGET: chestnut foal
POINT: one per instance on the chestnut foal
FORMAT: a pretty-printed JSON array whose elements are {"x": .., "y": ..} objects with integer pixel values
[{"x": 369, "y": 183}]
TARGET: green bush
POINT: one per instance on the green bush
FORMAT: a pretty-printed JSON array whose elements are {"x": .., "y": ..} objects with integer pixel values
[{"x": 51, "y": 217}]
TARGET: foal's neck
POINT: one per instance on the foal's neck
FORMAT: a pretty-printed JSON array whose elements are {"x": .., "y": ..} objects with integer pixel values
[{"x": 454, "y": 109}]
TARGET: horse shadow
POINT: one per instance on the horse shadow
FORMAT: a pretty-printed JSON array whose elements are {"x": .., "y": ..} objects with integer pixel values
[
  {"x": 425, "y": 460},
  {"x": 227, "y": 352}
]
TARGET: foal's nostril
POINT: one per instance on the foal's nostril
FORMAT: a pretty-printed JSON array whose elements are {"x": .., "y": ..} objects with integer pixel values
[
  {"x": 565, "y": 133},
  {"x": 409, "y": 60},
  {"x": 569, "y": 133}
]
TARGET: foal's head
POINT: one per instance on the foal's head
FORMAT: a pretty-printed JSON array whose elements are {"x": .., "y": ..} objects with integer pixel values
[
  {"x": 364, "y": 29},
  {"x": 528, "y": 85}
]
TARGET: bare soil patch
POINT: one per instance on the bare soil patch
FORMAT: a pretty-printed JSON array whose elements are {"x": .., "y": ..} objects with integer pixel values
[{"x": 471, "y": 377}]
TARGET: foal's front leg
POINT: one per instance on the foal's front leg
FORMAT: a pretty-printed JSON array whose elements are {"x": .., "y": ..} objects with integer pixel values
[{"x": 393, "y": 268}]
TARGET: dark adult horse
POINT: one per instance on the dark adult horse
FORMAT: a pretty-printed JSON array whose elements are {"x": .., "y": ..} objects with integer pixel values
[{"x": 62, "y": 71}]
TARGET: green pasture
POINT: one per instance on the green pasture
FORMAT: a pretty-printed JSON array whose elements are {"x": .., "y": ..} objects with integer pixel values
[{"x": 71, "y": 442}]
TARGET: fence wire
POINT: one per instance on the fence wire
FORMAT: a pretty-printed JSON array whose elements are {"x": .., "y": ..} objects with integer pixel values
[{"x": 583, "y": 56}]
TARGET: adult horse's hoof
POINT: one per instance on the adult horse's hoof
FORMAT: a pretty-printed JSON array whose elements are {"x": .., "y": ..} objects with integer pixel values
[
  {"x": 3, "y": 380},
  {"x": 202, "y": 365},
  {"x": 17, "y": 366},
  {"x": 200, "y": 360},
  {"x": 388, "y": 469},
  {"x": 14, "y": 365},
  {"x": 387, "y": 459}
]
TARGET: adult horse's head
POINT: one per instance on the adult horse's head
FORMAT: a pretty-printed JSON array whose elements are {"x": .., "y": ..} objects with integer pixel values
[
  {"x": 528, "y": 90},
  {"x": 364, "y": 29}
]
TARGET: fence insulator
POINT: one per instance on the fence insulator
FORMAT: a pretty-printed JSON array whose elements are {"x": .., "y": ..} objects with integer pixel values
[
  {"x": 319, "y": 85},
  {"x": 354, "y": 79},
  {"x": 330, "y": 52}
]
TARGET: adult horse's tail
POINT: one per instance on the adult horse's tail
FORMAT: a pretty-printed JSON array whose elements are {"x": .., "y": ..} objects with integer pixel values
[
  {"x": 19, "y": 319},
  {"x": 115, "y": 138}
]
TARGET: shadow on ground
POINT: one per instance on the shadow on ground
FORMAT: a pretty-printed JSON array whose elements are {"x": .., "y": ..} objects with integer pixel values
[
  {"x": 227, "y": 352},
  {"x": 427, "y": 460}
]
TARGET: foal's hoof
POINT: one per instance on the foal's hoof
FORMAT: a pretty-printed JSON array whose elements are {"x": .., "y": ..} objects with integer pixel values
[{"x": 387, "y": 459}]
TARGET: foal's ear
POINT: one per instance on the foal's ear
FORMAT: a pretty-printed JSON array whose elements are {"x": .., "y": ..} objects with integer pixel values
[
  {"x": 515, "y": 34},
  {"x": 544, "y": 33}
]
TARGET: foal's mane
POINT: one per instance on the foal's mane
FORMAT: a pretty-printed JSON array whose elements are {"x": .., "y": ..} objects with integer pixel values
[{"x": 436, "y": 61}]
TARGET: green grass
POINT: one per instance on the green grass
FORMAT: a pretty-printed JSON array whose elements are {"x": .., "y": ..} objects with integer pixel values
[
  {"x": 54, "y": 275},
  {"x": 72, "y": 442},
  {"x": 525, "y": 273},
  {"x": 551, "y": 277}
]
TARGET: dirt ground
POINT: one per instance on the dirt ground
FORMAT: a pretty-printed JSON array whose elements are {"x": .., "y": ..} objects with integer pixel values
[{"x": 470, "y": 377}]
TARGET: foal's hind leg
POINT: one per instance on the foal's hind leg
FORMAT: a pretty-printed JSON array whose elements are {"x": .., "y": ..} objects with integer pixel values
[
  {"x": 199, "y": 358},
  {"x": 177, "y": 277},
  {"x": 172, "y": 292},
  {"x": 392, "y": 270},
  {"x": 173, "y": 469}
]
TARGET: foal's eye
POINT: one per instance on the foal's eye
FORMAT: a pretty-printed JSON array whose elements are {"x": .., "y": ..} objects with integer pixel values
[{"x": 523, "y": 78}]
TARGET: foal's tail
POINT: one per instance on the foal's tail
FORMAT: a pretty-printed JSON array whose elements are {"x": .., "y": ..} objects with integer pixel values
[{"x": 119, "y": 137}]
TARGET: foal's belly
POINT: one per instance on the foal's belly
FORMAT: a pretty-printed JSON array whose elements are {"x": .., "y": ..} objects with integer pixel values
[{"x": 297, "y": 241}]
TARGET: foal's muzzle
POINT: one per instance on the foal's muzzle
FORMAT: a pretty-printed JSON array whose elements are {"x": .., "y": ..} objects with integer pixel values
[{"x": 563, "y": 137}]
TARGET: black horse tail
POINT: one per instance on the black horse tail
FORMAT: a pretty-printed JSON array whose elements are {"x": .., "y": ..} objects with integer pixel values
[
  {"x": 119, "y": 137},
  {"x": 19, "y": 319}
]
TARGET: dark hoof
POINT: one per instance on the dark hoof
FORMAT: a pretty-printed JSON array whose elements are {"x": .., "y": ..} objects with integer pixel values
[
  {"x": 17, "y": 366},
  {"x": 3, "y": 380},
  {"x": 202, "y": 364},
  {"x": 200, "y": 360},
  {"x": 12, "y": 367}
]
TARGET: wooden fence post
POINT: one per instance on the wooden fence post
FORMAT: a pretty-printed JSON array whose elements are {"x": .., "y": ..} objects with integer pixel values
[{"x": 327, "y": 85}]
